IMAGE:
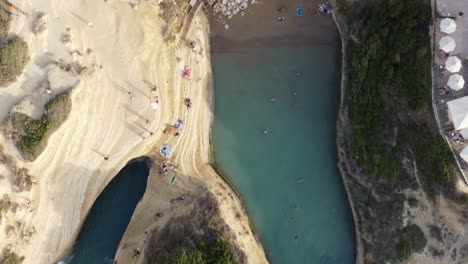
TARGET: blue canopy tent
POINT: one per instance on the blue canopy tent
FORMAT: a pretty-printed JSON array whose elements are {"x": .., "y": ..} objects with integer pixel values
[{"x": 299, "y": 11}]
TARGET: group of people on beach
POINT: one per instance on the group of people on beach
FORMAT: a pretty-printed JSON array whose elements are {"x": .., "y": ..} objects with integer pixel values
[
  {"x": 322, "y": 9},
  {"x": 457, "y": 137},
  {"x": 444, "y": 90}
]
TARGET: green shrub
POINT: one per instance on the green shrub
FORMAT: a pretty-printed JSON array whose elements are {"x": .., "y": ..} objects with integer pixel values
[
  {"x": 219, "y": 253},
  {"x": 12, "y": 258},
  {"x": 37, "y": 131},
  {"x": 410, "y": 239},
  {"x": 216, "y": 252},
  {"x": 5, "y": 17},
  {"x": 14, "y": 55},
  {"x": 182, "y": 256},
  {"x": 432, "y": 153},
  {"x": 403, "y": 246}
]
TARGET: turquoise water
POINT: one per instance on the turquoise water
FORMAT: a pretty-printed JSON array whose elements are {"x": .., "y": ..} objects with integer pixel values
[
  {"x": 300, "y": 144},
  {"x": 109, "y": 217}
]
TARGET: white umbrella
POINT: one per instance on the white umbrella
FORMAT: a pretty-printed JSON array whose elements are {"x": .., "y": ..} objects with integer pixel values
[
  {"x": 456, "y": 82},
  {"x": 453, "y": 64},
  {"x": 448, "y": 25},
  {"x": 447, "y": 44},
  {"x": 154, "y": 105}
]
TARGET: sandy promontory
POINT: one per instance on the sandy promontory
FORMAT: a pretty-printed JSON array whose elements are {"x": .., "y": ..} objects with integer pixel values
[{"x": 125, "y": 56}]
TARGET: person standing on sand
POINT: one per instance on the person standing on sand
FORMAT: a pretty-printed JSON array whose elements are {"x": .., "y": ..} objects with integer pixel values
[
  {"x": 106, "y": 157},
  {"x": 131, "y": 95}
]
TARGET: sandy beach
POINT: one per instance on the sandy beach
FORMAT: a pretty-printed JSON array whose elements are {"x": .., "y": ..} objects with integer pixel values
[
  {"x": 265, "y": 30},
  {"x": 125, "y": 55}
]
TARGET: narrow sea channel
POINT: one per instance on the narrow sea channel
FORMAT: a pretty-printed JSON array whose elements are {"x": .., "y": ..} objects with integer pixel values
[
  {"x": 288, "y": 178},
  {"x": 109, "y": 217}
]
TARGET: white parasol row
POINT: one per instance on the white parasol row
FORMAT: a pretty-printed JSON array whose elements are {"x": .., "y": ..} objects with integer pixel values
[
  {"x": 448, "y": 25},
  {"x": 453, "y": 64},
  {"x": 447, "y": 44}
]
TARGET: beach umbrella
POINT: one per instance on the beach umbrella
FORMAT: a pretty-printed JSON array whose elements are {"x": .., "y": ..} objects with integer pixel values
[
  {"x": 453, "y": 64},
  {"x": 464, "y": 154},
  {"x": 187, "y": 72},
  {"x": 154, "y": 105},
  {"x": 448, "y": 25},
  {"x": 458, "y": 113},
  {"x": 456, "y": 82},
  {"x": 165, "y": 150},
  {"x": 447, "y": 44},
  {"x": 179, "y": 123}
]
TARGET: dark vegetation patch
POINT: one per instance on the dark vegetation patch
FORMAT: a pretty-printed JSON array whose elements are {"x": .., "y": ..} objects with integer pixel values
[
  {"x": 5, "y": 17},
  {"x": 5, "y": 205},
  {"x": 21, "y": 179},
  {"x": 200, "y": 237},
  {"x": 388, "y": 121},
  {"x": 436, "y": 232},
  {"x": 11, "y": 258},
  {"x": 174, "y": 13},
  {"x": 411, "y": 239},
  {"x": 31, "y": 136},
  {"x": 390, "y": 91},
  {"x": 14, "y": 55},
  {"x": 413, "y": 202}
]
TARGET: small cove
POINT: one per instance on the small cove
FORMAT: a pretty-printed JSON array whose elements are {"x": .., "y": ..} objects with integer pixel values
[
  {"x": 109, "y": 216},
  {"x": 300, "y": 145}
]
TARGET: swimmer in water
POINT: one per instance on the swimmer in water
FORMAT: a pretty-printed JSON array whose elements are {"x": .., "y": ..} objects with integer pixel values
[
  {"x": 300, "y": 180},
  {"x": 298, "y": 73},
  {"x": 296, "y": 237},
  {"x": 273, "y": 99},
  {"x": 265, "y": 131},
  {"x": 294, "y": 91}
]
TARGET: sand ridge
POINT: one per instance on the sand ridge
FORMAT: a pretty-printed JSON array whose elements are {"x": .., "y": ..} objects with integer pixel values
[{"x": 124, "y": 54}]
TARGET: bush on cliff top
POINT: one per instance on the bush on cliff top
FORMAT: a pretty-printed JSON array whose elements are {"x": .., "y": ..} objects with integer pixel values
[
  {"x": 14, "y": 55},
  {"x": 217, "y": 252},
  {"x": 5, "y": 17},
  {"x": 29, "y": 135},
  {"x": 38, "y": 131},
  {"x": 12, "y": 258},
  {"x": 410, "y": 239}
]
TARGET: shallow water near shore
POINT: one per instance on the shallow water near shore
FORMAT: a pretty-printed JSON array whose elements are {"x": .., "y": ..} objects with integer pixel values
[
  {"x": 300, "y": 145},
  {"x": 109, "y": 217}
]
